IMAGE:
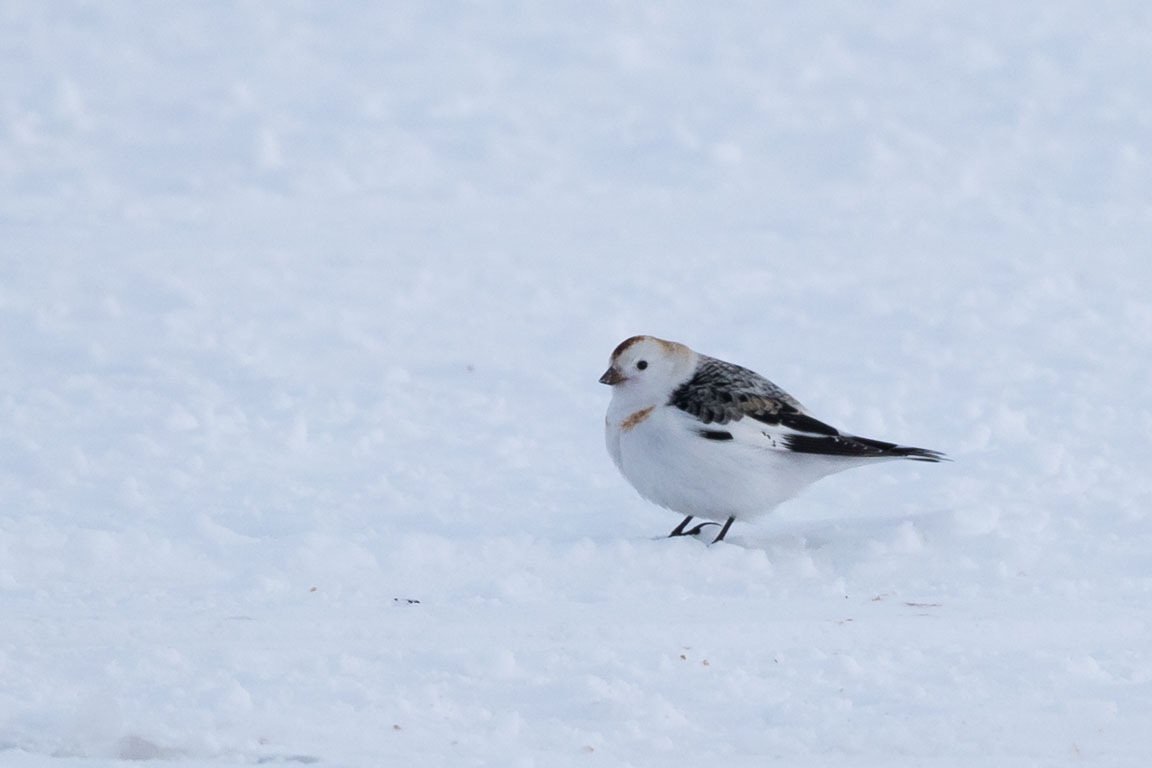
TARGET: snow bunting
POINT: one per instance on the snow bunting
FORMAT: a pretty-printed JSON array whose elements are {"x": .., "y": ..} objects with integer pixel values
[{"x": 710, "y": 439}]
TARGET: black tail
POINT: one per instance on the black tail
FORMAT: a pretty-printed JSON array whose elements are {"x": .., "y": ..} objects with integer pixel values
[{"x": 861, "y": 447}]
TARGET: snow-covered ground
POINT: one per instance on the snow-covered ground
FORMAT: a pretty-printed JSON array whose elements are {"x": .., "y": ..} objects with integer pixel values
[{"x": 302, "y": 307}]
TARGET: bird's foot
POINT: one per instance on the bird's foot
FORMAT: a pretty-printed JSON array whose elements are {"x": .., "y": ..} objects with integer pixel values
[
  {"x": 696, "y": 531},
  {"x": 680, "y": 529}
]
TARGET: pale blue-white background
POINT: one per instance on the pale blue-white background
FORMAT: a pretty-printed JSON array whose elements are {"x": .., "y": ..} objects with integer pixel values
[{"x": 302, "y": 307}]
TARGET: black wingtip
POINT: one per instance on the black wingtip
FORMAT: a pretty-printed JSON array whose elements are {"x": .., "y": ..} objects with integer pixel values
[
  {"x": 919, "y": 454},
  {"x": 861, "y": 447}
]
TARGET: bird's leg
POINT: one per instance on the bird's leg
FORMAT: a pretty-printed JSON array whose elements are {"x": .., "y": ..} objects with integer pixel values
[
  {"x": 724, "y": 530},
  {"x": 679, "y": 530}
]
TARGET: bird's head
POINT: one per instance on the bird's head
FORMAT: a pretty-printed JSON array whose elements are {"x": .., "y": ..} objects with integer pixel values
[{"x": 648, "y": 365}]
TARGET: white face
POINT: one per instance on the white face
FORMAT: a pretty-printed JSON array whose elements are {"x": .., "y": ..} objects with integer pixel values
[{"x": 643, "y": 364}]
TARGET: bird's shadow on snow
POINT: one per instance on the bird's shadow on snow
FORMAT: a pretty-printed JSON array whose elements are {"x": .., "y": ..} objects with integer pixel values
[{"x": 895, "y": 532}]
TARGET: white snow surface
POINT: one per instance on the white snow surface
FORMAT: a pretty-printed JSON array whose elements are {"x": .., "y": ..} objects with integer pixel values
[{"x": 302, "y": 307}]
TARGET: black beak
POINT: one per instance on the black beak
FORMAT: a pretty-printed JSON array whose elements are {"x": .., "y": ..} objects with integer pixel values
[{"x": 611, "y": 376}]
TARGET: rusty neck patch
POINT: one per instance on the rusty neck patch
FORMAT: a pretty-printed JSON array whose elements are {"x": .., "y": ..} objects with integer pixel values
[{"x": 636, "y": 418}]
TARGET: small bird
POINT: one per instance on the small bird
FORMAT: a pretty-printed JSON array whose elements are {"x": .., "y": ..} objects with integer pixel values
[{"x": 710, "y": 439}]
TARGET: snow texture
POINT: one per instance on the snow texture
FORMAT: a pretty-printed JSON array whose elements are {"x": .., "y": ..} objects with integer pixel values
[{"x": 302, "y": 307}]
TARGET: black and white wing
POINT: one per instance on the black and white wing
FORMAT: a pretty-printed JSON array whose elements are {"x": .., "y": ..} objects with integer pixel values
[{"x": 720, "y": 392}]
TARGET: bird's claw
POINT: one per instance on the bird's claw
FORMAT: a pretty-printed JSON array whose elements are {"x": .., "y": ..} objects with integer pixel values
[{"x": 690, "y": 532}]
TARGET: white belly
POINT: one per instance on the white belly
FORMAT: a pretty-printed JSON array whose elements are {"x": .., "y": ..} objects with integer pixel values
[{"x": 670, "y": 464}]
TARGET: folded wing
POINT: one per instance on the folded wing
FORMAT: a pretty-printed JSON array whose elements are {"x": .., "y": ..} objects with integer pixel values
[{"x": 721, "y": 392}]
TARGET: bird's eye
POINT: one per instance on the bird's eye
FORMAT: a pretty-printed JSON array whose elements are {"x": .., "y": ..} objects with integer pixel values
[{"x": 642, "y": 364}]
